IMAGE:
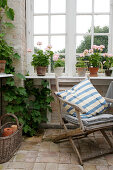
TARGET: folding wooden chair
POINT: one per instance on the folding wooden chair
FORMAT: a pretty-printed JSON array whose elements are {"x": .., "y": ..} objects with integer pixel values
[{"x": 82, "y": 130}]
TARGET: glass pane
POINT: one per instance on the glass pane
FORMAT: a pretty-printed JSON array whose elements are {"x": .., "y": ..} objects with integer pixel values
[
  {"x": 58, "y": 6},
  {"x": 43, "y": 40},
  {"x": 102, "y": 5},
  {"x": 101, "y": 21},
  {"x": 58, "y": 24},
  {"x": 40, "y": 6},
  {"x": 101, "y": 40},
  {"x": 84, "y": 5},
  {"x": 40, "y": 24},
  {"x": 82, "y": 43},
  {"x": 58, "y": 43},
  {"x": 83, "y": 24}
]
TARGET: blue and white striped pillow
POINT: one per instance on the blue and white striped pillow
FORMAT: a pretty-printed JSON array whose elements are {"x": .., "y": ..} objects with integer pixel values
[{"x": 85, "y": 95}]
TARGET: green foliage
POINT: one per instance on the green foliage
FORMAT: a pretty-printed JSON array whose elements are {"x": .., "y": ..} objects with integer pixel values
[
  {"x": 81, "y": 62},
  {"x": 8, "y": 12},
  {"x": 59, "y": 63},
  {"x": 29, "y": 104},
  {"x": 37, "y": 106},
  {"x": 107, "y": 61},
  {"x": 41, "y": 58},
  {"x": 98, "y": 40},
  {"x": 94, "y": 60}
]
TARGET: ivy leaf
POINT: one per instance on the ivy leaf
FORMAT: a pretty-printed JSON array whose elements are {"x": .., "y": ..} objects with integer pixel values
[
  {"x": 21, "y": 120},
  {"x": 20, "y": 76},
  {"x": 10, "y": 82},
  {"x": 3, "y": 3},
  {"x": 2, "y": 34},
  {"x": 10, "y": 13},
  {"x": 8, "y": 24},
  {"x": 16, "y": 55},
  {"x": 22, "y": 91},
  {"x": 26, "y": 128},
  {"x": 9, "y": 109}
]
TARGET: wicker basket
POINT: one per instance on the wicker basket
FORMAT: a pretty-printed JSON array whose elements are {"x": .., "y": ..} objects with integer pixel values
[{"x": 9, "y": 144}]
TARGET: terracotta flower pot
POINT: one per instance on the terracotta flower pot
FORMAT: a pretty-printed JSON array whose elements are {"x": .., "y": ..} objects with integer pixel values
[
  {"x": 14, "y": 128},
  {"x": 2, "y": 66},
  {"x": 81, "y": 71},
  {"x": 7, "y": 132},
  {"x": 93, "y": 71},
  {"x": 41, "y": 71}
]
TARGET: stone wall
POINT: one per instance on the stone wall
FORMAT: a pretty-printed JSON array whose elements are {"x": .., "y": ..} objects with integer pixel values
[{"x": 16, "y": 37}]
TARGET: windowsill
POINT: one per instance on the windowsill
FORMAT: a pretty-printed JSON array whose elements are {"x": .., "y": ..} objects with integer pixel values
[
  {"x": 52, "y": 76},
  {"x": 3, "y": 75}
]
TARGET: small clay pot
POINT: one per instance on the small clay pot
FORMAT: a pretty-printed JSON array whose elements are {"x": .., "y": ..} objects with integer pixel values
[
  {"x": 7, "y": 132},
  {"x": 2, "y": 66},
  {"x": 108, "y": 72},
  {"x": 41, "y": 71},
  {"x": 14, "y": 128}
]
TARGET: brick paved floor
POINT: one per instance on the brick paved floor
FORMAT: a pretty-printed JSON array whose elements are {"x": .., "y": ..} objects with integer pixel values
[{"x": 37, "y": 154}]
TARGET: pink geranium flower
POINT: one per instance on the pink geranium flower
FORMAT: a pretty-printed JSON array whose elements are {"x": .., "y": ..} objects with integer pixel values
[
  {"x": 39, "y": 43},
  {"x": 29, "y": 50},
  {"x": 55, "y": 57}
]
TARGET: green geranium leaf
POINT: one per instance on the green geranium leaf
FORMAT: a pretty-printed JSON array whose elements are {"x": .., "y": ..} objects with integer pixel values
[{"x": 20, "y": 76}]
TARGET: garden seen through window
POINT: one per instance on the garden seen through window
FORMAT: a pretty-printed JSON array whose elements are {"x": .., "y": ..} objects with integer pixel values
[{"x": 72, "y": 26}]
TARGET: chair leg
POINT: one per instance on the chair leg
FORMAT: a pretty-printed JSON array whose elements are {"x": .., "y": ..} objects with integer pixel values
[
  {"x": 106, "y": 137},
  {"x": 76, "y": 150},
  {"x": 73, "y": 145}
]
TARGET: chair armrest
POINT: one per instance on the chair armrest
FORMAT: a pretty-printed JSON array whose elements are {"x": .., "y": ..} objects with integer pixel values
[
  {"x": 108, "y": 99},
  {"x": 77, "y": 107}
]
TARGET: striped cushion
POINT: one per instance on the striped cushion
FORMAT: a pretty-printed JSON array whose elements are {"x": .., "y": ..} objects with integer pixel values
[{"x": 84, "y": 94}]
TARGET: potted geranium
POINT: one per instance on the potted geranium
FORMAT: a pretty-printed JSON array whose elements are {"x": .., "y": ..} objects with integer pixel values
[
  {"x": 94, "y": 58},
  {"x": 59, "y": 64},
  {"x": 107, "y": 63},
  {"x": 41, "y": 59},
  {"x": 81, "y": 66}
]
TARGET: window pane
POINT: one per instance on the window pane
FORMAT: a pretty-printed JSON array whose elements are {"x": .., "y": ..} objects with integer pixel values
[
  {"x": 82, "y": 43},
  {"x": 58, "y": 24},
  {"x": 102, "y": 40},
  {"x": 102, "y": 5},
  {"x": 83, "y": 24},
  {"x": 58, "y": 43},
  {"x": 58, "y": 6},
  {"x": 40, "y": 6},
  {"x": 43, "y": 39},
  {"x": 101, "y": 21},
  {"x": 40, "y": 24},
  {"x": 84, "y": 5}
]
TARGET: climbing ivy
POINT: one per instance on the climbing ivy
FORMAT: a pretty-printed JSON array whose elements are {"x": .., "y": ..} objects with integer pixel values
[{"x": 29, "y": 104}]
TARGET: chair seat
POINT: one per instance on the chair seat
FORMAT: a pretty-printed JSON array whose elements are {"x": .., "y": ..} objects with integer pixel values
[{"x": 101, "y": 118}]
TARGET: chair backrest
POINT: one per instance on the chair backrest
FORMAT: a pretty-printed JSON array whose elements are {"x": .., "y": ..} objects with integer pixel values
[{"x": 66, "y": 83}]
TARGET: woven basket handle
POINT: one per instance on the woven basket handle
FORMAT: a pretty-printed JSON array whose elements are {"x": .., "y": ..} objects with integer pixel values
[{"x": 12, "y": 115}]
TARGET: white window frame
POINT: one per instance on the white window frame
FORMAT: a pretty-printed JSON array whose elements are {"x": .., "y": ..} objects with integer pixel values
[{"x": 70, "y": 45}]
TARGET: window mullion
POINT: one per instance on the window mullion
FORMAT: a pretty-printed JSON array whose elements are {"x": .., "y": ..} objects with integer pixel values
[
  {"x": 29, "y": 32},
  {"x": 70, "y": 38},
  {"x": 110, "y": 37}
]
